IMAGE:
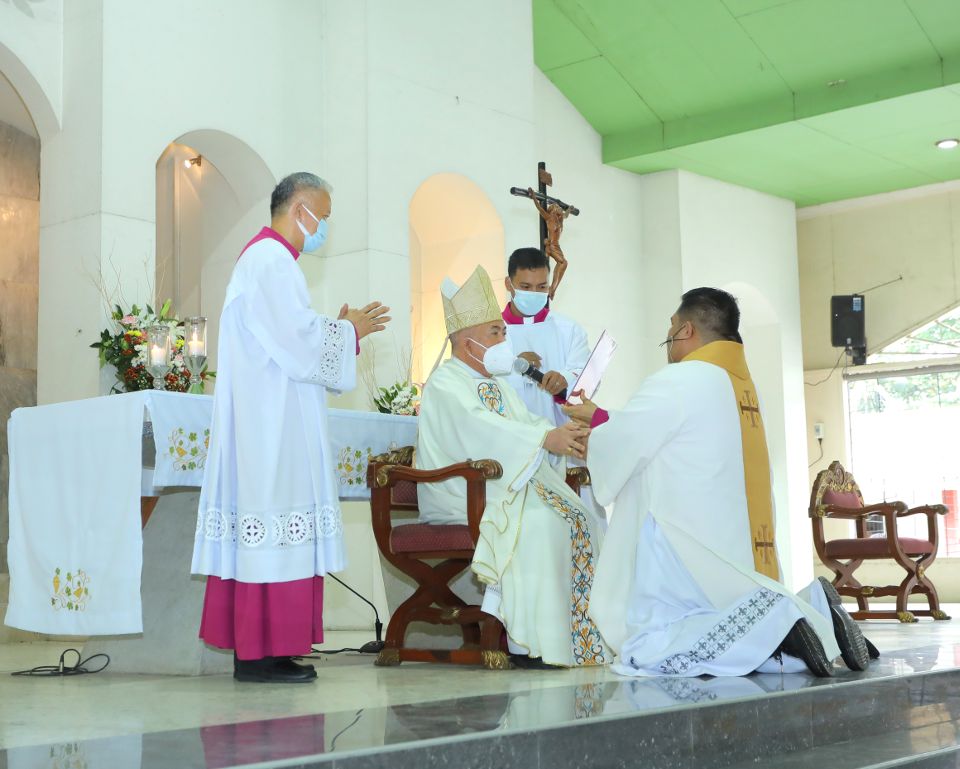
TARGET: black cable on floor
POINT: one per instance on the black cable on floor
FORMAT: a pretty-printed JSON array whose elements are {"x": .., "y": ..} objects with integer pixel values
[
  {"x": 63, "y": 669},
  {"x": 329, "y": 651}
]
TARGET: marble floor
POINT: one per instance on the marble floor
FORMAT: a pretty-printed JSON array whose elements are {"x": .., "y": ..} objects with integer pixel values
[{"x": 355, "y": 706}]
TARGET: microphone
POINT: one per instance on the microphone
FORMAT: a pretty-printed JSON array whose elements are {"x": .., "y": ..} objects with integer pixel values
[{"x": 524, "y": 367}]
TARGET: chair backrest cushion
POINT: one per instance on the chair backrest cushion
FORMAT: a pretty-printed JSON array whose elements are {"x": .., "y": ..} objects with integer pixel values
[{"x": 848, "y": 499}]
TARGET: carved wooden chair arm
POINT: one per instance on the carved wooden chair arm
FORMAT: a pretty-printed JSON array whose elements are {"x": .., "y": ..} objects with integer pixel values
[
  {"x": 578, "y": 477},
  {"x": 480, "y": 470},
  {"x": 853, "y": 513},
  {"x": 924, "y": 510},
  {"x": 381, "y": 478}
]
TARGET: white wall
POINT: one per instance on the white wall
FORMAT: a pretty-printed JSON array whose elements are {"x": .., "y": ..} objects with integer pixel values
[{"x": 854, "y": 245}]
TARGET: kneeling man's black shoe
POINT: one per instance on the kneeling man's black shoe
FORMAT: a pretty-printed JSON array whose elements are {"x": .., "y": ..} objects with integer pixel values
[
  {"x": 802, "y": 642},
  {"x": 853, "y": 646}
]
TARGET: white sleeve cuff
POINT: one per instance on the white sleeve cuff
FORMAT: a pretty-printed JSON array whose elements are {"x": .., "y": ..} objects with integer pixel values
[{"x": 524, "y": 478}]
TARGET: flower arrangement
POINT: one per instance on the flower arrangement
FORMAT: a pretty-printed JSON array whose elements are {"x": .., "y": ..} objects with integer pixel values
[
  {"x": 125, "y": 348},
  {"x": 403, "y": 396},
  {"x": 400, "y": 398}
]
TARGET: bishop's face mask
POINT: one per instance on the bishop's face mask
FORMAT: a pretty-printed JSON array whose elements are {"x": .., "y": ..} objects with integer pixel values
[
  {"x": 529, "y": 302},
  {"x": 311, "y": 242},
  {"x": 498, "y": 359}
]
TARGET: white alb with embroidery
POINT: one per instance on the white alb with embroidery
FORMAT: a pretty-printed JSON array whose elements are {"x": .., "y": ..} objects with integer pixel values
[{"x": 268, "y": 506}]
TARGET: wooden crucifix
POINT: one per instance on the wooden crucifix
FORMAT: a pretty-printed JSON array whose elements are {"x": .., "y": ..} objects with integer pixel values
[{"x": 553, "y": 212}]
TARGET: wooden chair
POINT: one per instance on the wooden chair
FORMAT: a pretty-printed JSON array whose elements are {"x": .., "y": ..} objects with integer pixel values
[
  {"x": 836, "y": 495},
  {"x": 393, "y": 487}
]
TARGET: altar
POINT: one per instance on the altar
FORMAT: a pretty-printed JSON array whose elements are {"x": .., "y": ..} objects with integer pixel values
[{"x": 103, "y": 510}]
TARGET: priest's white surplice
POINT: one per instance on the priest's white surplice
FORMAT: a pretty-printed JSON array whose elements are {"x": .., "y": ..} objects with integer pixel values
[
  {"x": 268, "y": 507},
  {"x": 676, "y": 592},
  {"x": 538, "y": 544},
  {"x": 562, "y": 346}
]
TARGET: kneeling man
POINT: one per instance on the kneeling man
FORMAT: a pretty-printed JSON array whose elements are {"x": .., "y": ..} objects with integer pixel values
[
  {"x": 538, "y": 543},
  {"x": 689, "y": 582}
]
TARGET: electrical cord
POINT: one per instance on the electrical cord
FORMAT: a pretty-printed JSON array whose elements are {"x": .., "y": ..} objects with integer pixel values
[
  {"x": 832, "y": 372},
  {"x": 63, "y": 669},
  {"x": 371, "y": 647},
  {"x": 820, "y": 441}
]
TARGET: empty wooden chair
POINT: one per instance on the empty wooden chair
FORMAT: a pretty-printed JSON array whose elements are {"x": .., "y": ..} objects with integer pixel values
[{"x": 836, "y": 495}]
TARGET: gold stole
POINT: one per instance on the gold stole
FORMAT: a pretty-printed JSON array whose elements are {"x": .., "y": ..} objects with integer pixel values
[{"x": 756, "y": 462}]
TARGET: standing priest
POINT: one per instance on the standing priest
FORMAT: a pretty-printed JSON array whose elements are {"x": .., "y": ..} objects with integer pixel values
[
  {"x": 538, "y": 543},
  {"x": 688, "y": 583},
  {"x": 269, "y": 523},
  {"x": 553, "y": 343}
]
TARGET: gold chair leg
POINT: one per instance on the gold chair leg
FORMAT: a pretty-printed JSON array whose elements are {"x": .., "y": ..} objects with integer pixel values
[
  {"x": 495, "y": 660},
  {"x": 388, "y": 658}
]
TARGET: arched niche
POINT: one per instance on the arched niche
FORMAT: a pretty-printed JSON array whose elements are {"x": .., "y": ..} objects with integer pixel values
[
  {"x": 453, "y": 228},
  {"x": 34, "y": 98},
  {"x": 206, "y": 212}
]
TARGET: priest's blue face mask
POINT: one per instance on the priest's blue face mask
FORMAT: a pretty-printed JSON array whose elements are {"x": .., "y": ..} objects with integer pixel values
[
  {"x": 529, "y": 302},
  {"x": 311, "y": 242}
]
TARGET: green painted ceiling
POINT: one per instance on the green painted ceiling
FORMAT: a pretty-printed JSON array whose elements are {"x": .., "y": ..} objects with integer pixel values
[{"x": 812, "y": 100}]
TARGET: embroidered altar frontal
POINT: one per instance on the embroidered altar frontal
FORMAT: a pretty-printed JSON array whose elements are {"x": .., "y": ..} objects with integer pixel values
[{"x": 77, "y": 472}]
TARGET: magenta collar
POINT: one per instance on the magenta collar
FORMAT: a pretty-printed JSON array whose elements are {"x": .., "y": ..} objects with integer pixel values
[
  {"x": 512, "y": 319},
  {"x": 270, "y": 234}
]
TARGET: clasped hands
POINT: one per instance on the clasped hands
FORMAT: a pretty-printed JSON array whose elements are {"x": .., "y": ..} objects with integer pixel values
[
  {"x": 553, "y": 381},
  {"x": 568, "y": 440},
  {"x": 572, "y": 438}
]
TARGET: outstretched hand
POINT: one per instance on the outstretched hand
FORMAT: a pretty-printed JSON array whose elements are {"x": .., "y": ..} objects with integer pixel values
[
  {"x": 367, "y": 320},
  {"x": 581, "y": 413}
]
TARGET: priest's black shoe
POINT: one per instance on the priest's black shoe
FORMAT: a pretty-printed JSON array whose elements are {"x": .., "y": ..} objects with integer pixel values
[
  {"x": 872, "y": 650},
  {"x": 289, "y": 663},
  {"x": 802, "y": 642},
  {"x": 268, "y": 671},
  {"x": 853, "y": 646},
  {"x": 531, "y": 663}
]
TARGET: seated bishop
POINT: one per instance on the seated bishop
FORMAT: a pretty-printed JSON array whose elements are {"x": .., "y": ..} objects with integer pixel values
[{"x": 538, "y": 543}]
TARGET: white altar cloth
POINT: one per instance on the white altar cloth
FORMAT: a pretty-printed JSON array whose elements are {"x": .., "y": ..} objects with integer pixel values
[{"x": 76, "y": 477}]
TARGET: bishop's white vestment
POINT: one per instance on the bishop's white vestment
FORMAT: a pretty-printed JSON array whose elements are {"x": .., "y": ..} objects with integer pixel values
[
  {"x": 269, "y": 508},
  {"x": 562, "y": 346},
  {"x": 538, "y": 543},
  {"x": 679, "y": 589}
]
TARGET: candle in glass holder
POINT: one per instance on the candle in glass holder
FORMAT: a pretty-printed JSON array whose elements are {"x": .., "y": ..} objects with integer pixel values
[
  {"x": 158, "y": 356},
  {"x": 195, "y": 345}
]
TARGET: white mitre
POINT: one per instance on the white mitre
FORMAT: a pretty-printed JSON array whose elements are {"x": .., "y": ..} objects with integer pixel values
[{"x": 471, "y": 304}]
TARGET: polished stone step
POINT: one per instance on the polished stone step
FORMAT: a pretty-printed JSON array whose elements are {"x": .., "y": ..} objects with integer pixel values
[{"x": 904, "y": 711}]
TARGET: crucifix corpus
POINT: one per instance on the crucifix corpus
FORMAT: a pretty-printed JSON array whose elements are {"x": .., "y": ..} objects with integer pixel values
[{"x": 553, "y": 212}]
